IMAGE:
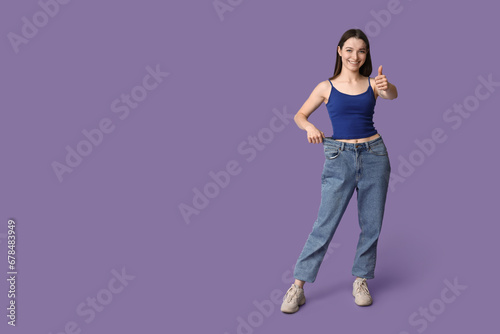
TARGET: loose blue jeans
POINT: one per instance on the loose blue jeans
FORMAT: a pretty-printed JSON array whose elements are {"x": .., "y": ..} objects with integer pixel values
[{"x": 363, "y": 167}]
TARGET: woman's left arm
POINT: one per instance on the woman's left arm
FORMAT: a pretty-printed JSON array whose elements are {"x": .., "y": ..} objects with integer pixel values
[{"x": 385, "y": 89}]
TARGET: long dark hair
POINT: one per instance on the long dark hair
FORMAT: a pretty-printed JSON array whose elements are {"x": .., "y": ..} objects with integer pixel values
[{"x": 364, "y": 70}]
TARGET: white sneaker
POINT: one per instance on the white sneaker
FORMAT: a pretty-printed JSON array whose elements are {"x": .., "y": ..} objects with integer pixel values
[
  {"x": 360, "y": 292},
  {"x": 293, "y": 298}
]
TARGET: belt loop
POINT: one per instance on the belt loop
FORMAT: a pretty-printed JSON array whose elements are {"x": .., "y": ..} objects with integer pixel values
[
  {"x": 367, "y": 145},
  {"x": 342, "y": 146}
]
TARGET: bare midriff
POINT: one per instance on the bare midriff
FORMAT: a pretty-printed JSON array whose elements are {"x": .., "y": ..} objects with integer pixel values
[{"x": 359, "y": 140}]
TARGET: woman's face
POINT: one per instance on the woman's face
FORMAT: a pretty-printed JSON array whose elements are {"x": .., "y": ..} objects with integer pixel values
[{"x": 353, "y": 53}]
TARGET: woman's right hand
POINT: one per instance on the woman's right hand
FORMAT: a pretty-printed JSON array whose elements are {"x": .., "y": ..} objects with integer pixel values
[{"x": 314, "y": 136}]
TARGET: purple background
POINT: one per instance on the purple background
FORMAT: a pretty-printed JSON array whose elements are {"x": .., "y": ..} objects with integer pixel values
[{"x": 120, "y": 207}]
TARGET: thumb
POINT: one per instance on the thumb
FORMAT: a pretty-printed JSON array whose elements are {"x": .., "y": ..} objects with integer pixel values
[{"x": 380, "y": 70}]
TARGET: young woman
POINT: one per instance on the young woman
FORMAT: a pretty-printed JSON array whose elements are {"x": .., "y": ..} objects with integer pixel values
[{"x": 356, "y": 158}]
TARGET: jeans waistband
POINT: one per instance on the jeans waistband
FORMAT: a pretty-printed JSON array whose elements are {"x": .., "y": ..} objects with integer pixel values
[{"x": 332, "y": 143}]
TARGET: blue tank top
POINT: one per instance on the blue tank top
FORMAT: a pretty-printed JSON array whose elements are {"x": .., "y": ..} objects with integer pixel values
[{"x": 352, "y": 115}]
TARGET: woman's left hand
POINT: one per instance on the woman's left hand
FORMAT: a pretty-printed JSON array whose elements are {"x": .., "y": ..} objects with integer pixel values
[
  {"x": 381, "y": 80},
  {"x": 385, "y": 89}
]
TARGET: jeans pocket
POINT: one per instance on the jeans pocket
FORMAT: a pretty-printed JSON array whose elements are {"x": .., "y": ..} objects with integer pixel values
[
  {"x": 332, "y": 152},
  {"x": 378, "y": 149}
]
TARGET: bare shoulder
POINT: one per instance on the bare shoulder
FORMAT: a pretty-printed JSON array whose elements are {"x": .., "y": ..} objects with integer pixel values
[
  {"x": 323, "y": 90},
  {"x": 317, "y": 96},
  {"x": 374, "y": 87}
]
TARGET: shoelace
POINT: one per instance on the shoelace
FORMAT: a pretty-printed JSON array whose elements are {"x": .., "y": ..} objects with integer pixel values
[
  {"x": 361, "y": 286},
  {"x": 289, "y": 294}
]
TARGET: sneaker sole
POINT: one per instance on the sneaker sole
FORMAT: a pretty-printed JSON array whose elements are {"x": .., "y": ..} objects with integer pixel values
[
  {"x": 293, "y": 311},
  {"x": 361, "y": 304}
]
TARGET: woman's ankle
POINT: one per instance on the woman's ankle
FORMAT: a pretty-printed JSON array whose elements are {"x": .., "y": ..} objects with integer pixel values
[{"x": 299, "y": 283}]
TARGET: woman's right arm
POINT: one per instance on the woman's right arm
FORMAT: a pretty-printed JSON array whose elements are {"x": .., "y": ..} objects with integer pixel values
[{"x": 317, "y": 97}]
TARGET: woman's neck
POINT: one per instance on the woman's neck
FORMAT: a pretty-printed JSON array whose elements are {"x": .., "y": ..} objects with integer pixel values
[{"x": 349, "y": 76}]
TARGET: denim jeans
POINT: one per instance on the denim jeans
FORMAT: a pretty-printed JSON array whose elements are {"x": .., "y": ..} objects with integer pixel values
[{"x": 363, "y": 167}]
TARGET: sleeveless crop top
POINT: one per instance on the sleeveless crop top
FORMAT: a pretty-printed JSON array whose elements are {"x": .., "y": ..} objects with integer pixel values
[{"x": 352, "y": 115}]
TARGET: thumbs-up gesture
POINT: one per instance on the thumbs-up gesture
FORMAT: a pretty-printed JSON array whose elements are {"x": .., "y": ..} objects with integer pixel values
[{"x": 381, "y": 81}]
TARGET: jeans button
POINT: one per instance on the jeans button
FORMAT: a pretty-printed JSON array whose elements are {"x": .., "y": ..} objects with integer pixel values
[{"x": 358, "y": 146}]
